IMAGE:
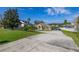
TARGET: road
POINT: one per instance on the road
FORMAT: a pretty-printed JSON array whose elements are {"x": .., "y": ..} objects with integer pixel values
[{"x": 50, "y": 41}]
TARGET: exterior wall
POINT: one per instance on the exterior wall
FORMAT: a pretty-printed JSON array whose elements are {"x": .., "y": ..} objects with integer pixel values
[
  {"x": 39, "y": 27},
  {"x": 47, "y": 28},
  {"x": 42, "y": 26},
  {"x": 22, "y": 25},
  {"x": 76, "y": 27}
]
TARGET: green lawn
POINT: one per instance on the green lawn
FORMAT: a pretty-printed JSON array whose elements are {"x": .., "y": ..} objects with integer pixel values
[
  {"x": 74, "y": 35},
  {"x": 12, "y": 35}
]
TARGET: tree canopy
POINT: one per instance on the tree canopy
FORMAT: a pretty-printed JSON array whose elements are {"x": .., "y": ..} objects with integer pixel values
[
  {"x": 66, "y": 22},
  {"x": 11, "y": 19}
]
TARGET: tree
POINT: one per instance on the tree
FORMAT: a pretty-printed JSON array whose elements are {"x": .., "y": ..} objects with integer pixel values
[
  {"x": 1, "y": 18},
  {"x": 65, "y": 22},
  {"x": 28, "y": 21},
  {"x": 29, "y": 28},
  {"x": 11, "y": 19}
]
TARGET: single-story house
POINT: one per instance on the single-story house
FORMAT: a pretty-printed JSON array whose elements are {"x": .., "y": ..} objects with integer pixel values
[
  {"x": 43, "y": 26},
  {"x": 76, "y": 27},
  {"x": 22, "y": 24}
]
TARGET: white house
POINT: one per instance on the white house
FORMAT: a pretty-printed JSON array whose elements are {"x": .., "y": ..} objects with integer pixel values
[
  {"x": 22, "y": 23},
  {"x": 73, "y": 27}
]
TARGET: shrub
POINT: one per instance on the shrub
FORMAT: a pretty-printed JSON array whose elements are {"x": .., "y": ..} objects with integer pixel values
[{"x": 29, "y": 28}]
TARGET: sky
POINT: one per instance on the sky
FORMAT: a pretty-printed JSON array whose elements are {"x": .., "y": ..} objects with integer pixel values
[{"x": 46, "y": 14}]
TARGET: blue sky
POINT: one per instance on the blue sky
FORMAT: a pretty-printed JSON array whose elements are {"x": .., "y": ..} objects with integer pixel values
[{"x": 47, "y": 14}]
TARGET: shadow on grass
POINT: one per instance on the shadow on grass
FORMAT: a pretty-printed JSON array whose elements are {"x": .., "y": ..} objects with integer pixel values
[{"x": 3, "y": 42}]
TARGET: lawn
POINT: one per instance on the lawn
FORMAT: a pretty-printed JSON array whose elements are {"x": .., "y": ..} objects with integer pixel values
[
  {"x": 12, "y": 35},
  {"x": 74, "y": 35}
]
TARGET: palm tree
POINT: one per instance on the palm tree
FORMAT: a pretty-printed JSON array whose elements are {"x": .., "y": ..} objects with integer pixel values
[{"x": 28, "y": 21}]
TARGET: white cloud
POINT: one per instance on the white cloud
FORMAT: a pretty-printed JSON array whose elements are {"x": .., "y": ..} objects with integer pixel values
[
  {"x": 73, "y": 17},
  {"x": 57, "y": 10},
  {"x": 49, "y": 11}
]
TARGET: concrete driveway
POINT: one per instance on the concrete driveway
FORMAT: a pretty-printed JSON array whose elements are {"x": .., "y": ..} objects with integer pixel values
[{"x": 51, "y": 41}]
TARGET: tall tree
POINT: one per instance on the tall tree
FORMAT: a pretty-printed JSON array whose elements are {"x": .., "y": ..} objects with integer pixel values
[
  {"x": 28, "y": 21},
  {"x": 65, "y": 22},
  {"x": 1, "y": 18},
  {"x": 11, "y": 19}
]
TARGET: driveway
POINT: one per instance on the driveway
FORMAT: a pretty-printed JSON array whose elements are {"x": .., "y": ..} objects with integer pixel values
[{"x": 49, "y": 41}]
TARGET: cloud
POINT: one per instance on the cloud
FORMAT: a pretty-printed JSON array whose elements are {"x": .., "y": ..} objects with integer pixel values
[
  {"x": 57, "y": 10},
  {"x": 49, "y": 11},
  {"x": 72, "y": 17}
]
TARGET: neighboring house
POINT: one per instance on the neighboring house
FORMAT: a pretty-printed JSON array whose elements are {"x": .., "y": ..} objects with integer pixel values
[
  {"x": 72, "y": 27},
  {"x": 43, "y": 26},
  {"x": 22, "y": 24},
  {"x": 76, "y": 27}
]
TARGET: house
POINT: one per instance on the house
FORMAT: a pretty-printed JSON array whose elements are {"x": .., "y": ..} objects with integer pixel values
[
  {"x": 43, "y": 26},
  {"x": 76, "y": 26},
  {"x": 22, "y": 24},
  {"x": 73, "y": 27}
]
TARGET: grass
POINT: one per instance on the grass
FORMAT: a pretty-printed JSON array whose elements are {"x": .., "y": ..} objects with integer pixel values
[
  {"x": 74, "y": 35},
  {"x": 12, "y": 35}
]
